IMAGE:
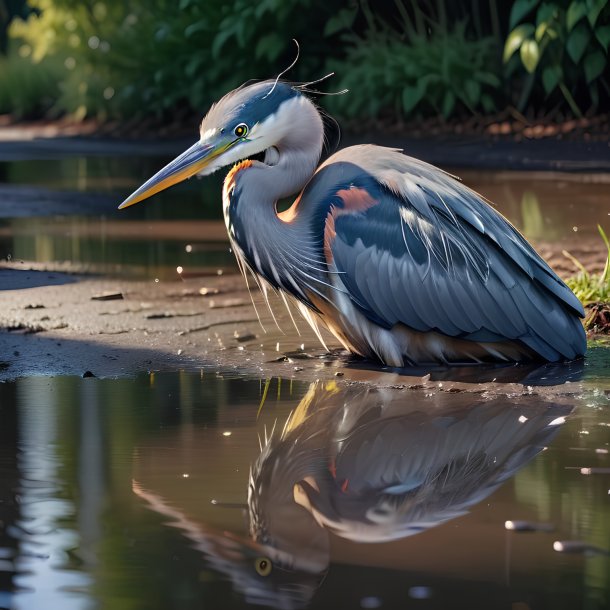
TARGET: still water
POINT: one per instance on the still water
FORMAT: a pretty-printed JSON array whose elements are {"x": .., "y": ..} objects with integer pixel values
[
  {"x": 73, "y": 219},
  {"x": 198, "y": 490},
  {"x": 194, "y": 490}
]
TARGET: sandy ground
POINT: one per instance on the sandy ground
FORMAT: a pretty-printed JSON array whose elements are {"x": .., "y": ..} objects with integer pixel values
[{"x": 56, "y": 323}]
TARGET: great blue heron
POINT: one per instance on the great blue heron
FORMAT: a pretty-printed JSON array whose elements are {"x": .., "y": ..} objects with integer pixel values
[{"x": 399, "y": 260}]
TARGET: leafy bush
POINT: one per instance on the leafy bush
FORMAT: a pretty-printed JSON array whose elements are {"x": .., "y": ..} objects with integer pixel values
[
  {"x": 435, "y": 73},
  {"x": 27, "y": 89},
  {"x": 406, "y": 57},
  {"x": 560, "y": 44},
  {"x": 129, "y": 58}
]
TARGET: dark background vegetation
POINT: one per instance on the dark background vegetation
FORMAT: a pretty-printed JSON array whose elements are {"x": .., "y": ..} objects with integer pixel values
[{"x": 401, "y": 60}]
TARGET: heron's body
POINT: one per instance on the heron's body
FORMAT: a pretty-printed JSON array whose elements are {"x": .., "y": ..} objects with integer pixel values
[{"x": 399, "y": 260}]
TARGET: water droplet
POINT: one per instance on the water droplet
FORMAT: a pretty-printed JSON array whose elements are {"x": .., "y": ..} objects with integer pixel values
[
  {"x": 371, "y": 602},
  {"x": 420, "y": 592}
]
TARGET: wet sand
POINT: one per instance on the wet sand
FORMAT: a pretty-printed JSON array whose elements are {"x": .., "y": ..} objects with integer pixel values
[{"x": 58, "y": 323}]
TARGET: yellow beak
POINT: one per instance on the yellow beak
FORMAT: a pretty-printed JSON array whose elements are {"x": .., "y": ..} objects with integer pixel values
[{"x": 189, "y": 163}]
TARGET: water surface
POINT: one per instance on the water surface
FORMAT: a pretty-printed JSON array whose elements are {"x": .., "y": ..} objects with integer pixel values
[
  {"x": 136, "y": 493},
  {"x": 78, "y": 223},
  {"x": 193, "y": 489}
]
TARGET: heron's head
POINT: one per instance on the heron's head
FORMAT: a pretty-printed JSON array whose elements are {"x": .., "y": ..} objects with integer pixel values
[{"x": 250, "y": 120}]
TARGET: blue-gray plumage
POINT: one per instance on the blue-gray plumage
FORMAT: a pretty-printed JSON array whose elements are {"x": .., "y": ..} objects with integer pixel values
[
  {"x": 399, "y": 260},
  {"x": 371, "y": 466}
]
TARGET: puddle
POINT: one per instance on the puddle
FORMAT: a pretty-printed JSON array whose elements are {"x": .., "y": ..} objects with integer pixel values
[
  {"x": 192, "y": 489},
  {"x": 73, "y": 220},
  {"x": 154, "y": 492}
]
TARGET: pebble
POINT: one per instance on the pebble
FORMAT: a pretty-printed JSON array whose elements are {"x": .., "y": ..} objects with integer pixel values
[
  {"x": 528, "y": 526},
  {"x": 108, "y": 296}
]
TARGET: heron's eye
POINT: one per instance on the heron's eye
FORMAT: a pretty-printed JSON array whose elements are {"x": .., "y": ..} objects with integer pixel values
[
  {"x": 263, "y": 566},
  {"x": 241, "y": 130}
]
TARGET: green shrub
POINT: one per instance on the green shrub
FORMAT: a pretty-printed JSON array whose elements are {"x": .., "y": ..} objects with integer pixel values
[
  {"x": 27, "y": 89},
  {"x": 130, "y": 58},
  {"x": 560, "y": 46},
  {"x": 441, "y": 72}
]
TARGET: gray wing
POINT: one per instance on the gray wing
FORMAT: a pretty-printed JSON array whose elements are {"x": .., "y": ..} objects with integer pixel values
[{"x": 414, "y": 245}]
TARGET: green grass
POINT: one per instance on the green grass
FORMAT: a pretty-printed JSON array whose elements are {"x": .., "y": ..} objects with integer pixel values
[{"x": 591, "y": 287}]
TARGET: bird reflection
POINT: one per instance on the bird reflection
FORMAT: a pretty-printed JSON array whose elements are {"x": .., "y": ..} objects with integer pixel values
[
  {"x": 369, "y": 465},
  {"x": 372, "y": 465},
  {"x": 266, "y": 575}
]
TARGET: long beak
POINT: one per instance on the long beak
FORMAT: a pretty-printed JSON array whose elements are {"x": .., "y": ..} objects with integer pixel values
[{"x": 189, "y": 163}]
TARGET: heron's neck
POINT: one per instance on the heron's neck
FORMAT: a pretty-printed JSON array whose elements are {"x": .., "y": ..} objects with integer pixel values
[{"x": 252, "y": 190}]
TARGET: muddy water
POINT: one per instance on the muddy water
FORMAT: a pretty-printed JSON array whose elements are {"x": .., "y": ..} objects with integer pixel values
[{"x": 136, "y": 493}]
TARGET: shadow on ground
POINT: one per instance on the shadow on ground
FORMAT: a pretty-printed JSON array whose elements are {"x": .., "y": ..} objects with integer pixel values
[{"x": 17, "y": 279}]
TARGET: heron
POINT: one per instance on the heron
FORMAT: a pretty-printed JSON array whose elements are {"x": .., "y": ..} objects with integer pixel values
[{"x": 398, "y": 259}]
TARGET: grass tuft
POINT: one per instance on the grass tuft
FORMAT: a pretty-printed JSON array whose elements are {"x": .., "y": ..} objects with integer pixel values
[{"x": 591, "y": 287}]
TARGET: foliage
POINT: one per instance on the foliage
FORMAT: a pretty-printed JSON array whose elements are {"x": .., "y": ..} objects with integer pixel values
[
  {"x": 438, "y": 72},
  {"x": 27, "y": 89},
  {"x": 123, "y": 58},
  {"x": 591, "y": 287},
  {"x": 410, "y": 57},
  {"x": 560, "y": 44}
]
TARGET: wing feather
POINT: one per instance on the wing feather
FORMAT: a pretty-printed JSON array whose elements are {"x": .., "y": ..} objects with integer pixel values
[{"x": 429, "y": 253}]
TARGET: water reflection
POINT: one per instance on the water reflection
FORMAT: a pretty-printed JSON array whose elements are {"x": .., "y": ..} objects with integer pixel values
[
  {"x": 373, "y": 466},
  {"x": 153, "y": 492},
  {"x": 368, "y": 465},
  {"x": 68, "y": 212}
]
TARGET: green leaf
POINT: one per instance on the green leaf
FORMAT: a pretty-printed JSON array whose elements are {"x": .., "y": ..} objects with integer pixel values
[
  {"x": 343, "y": 20},
  {"x": 576, "y": 11},
  {"x": 520, "y": 9},
  {"x": 488, "y": 103},
  {"x": 577, "y": 42},
  {"x": 411, "y": 96},
  {"x": 530, "y": 55},
  {"x": 541, "y": 30},
  {"x": 219, "y": 41},
  {"x": 515, "y": 40},
  {"x": 488, "y": 79},
  {"x": 448, "y": 103},
  {"x": 603, "y": 36},
  {"x": 594, "y": 65},
  {"x": 552, "y": 33},
  {"x": 473, "y": 91},
  {"x": 595, "y": 8},
  {"x": 550, "y": 78},
  {"x": 193, "y": 28},
  {"x": 546, "y": 13},
  {"x": 269, "y": 46}
]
